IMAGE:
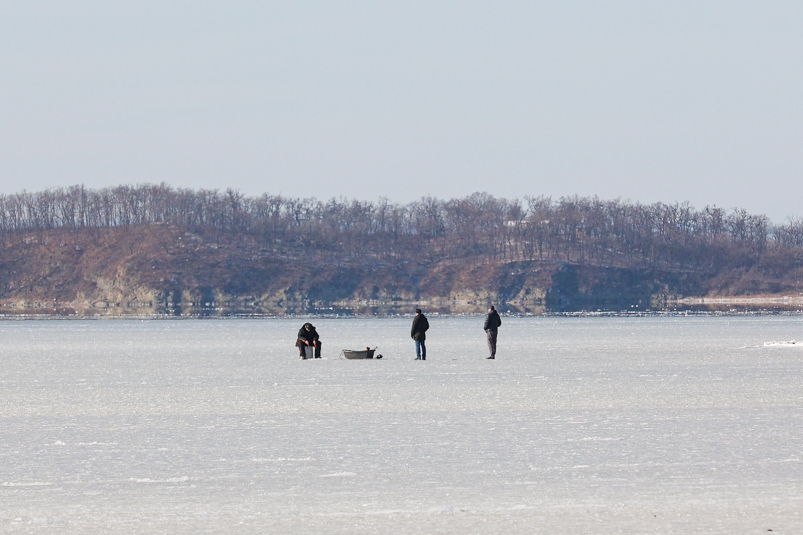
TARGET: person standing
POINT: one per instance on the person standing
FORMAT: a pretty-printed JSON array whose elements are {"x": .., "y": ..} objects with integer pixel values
[
  {"x": 492, "y": 323},
  {"x": 418, "y": 333}
]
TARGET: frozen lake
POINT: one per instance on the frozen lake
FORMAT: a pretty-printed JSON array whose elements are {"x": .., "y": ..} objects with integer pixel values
[{"x": 582, "y": 425}]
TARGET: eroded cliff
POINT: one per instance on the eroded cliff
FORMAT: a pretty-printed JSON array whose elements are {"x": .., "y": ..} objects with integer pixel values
[{"x": 161, "y": 269}]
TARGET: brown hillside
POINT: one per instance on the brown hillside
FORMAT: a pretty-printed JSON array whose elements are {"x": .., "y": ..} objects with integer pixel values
[{"x": 164, "y": 269}]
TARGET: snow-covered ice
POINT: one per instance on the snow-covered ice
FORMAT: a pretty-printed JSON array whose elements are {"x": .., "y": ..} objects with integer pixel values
[
  {"x": 582, "y": 425},
  {"x": 787, "y": 343}
]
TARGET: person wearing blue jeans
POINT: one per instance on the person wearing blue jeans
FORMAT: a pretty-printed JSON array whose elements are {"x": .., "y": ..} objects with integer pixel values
[
  {"x": 420, "y": 350},
  {"x": 418, "y": 333}
]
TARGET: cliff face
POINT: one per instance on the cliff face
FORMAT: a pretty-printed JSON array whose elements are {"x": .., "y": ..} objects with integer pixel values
[{"x": 160, "y": 269}]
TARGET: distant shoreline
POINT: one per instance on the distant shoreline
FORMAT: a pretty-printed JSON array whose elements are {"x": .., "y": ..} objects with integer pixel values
[
  {"x": 744, "y": 300},
  {"x": 703, "y": 307}
]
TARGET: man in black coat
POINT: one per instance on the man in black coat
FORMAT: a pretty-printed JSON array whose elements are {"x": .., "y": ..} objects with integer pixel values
[
  {"x": 418, "y": 333},
  {"x": 308, "y": 336},
  {"x": 492, "y": 323}
]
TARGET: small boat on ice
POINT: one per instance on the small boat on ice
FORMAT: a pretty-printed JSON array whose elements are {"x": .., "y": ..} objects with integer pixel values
[{"x": 366, "y": 353}]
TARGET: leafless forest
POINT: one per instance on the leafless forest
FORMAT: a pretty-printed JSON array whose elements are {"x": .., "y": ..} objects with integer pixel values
[{"x": 580, "y": 230}]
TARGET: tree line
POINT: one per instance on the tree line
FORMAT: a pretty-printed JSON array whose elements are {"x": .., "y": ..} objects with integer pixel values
[{"x": 480, "y": 227}]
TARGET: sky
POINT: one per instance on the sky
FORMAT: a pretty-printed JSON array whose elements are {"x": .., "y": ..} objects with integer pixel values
[{"x": 643, "y": 101}]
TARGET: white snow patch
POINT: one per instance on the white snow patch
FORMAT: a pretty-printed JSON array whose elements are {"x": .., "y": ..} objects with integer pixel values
[
  {"x": 48, "y": 520},
  {"x": 32, "y": 484},
  {"x": 283, "y": 460},
  {"x": 168, "y": 480},
  {"x": 340, "y": 474},
  {"x": 446, "y": 509}
]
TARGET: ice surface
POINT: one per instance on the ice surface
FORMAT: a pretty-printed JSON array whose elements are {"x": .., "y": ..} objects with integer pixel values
[
  {"x": 582, "y": 425},
  {"x": 789, "y": 343}
]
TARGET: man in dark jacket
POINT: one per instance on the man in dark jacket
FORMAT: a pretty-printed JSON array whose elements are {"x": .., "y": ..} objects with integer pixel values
[
  {"x": 418, "y": 333},
  {"x": 492, "y": 323},
  {"x": 308, "y": 336}
]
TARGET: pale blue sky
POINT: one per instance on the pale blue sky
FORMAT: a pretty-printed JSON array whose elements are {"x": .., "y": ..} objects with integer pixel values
[{"x": 646, "y": 101}]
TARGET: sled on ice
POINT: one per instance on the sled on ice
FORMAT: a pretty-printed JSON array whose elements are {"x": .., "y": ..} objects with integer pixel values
[{"x": 366, "y": 353}]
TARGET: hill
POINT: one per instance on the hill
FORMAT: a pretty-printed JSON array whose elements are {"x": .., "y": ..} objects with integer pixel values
[{"x": 154, "y": 250}]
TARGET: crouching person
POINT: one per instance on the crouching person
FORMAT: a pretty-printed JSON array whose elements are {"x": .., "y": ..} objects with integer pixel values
[{"x": 308, "y": 337}]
